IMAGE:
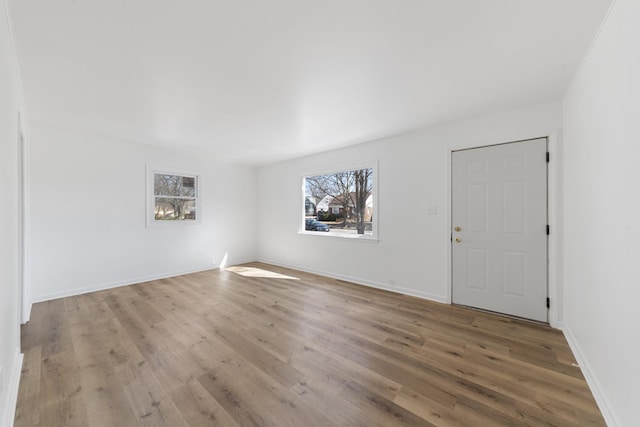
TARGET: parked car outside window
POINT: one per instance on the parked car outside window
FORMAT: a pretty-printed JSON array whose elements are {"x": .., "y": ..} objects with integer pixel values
[{"x": 315, "y": 225}]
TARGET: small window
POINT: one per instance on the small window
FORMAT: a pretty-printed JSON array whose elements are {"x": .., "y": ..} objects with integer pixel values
[
  {"x": 340, "y": 203},
  {"x": 173, "y": 197}
]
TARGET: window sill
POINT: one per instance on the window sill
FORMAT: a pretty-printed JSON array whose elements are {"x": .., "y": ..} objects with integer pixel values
[
  {"x": 353, "y": 237},
  {"x": 175, "y": 223}
]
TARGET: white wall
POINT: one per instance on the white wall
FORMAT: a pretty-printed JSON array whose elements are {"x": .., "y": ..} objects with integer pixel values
[
  {"x": 10, "y": 360},
  {"x": 413, "y": 174},
  {"x": 87, "y": 214},
  {"x": 602, "y": 215}
]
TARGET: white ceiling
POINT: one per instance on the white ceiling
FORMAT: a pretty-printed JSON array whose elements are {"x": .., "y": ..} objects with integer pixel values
[{"x": 257, "y": 81}]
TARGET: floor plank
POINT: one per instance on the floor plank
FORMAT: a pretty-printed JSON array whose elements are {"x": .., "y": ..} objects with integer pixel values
[{"x": 263, "y": 345}]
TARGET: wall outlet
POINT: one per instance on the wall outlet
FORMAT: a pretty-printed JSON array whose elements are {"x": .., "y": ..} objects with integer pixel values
[
  {"x": 1, "y": 381},
  {"x": 392, "y": 281},
  {"x": 214, "y": 261}
]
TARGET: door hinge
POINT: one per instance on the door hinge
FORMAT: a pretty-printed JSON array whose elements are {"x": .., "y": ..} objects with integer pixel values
[
  {"x": 548, "y": 157},
  {"x": 548, "y": 230},
  {"x": 548, "y": 303}
]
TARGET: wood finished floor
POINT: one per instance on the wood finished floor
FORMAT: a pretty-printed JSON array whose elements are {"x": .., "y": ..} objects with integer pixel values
[{"x": 241, "y": 348}]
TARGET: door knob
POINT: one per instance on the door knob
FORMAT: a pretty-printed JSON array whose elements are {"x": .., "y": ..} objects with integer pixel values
[
  {"x": 457, "y": 228},
  {"x": 458, "y": 240}
]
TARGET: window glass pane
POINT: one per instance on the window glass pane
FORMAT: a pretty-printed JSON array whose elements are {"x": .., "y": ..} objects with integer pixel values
[
  {"x": 174, "y": 185},
  {"x": 167, "y": 209},
  {"x": 343, "y": 201}
]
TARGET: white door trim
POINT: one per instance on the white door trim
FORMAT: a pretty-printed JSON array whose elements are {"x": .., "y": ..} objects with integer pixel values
[
  {"x": 21, "y": 221},
  {"x": 23, "y": 177},
  {"x": 553, "y": 214}
]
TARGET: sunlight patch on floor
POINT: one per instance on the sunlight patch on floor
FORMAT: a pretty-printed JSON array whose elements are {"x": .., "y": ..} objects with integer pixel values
[{"x": 258, "y": 272}]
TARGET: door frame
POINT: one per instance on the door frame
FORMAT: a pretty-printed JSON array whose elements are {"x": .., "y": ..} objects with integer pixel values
[
  {"x": 554, "y": 241},
  {"x": 24, "y": 307}
]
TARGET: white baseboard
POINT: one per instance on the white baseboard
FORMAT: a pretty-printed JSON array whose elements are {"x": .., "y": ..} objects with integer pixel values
[
  {"x": 12, "y": 392},
  {"x": 126, "y": 282},
  {"x": 592, "y": 381},
  {"x": 359, "y": 281}
]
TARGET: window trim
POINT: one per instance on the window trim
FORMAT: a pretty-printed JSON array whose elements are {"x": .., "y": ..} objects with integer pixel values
[
  {"x": 375, "y": 230},
  {"x": 151, "y": 221}
]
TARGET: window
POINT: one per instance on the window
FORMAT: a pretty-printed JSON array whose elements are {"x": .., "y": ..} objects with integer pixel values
[
  {"x": 342, "y": 203},
  {"x": 172, "y": 197}
]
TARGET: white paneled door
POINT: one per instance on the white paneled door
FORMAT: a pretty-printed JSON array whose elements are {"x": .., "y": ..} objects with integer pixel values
[{"x": 499, "y": 228}]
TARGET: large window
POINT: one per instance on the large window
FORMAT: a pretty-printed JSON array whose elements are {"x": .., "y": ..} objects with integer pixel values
[
  {"x": 172, "y": 197},
  {"x": 341, "y": 203}
]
